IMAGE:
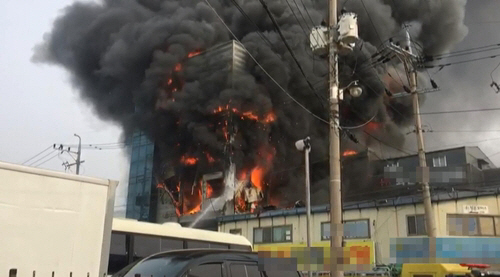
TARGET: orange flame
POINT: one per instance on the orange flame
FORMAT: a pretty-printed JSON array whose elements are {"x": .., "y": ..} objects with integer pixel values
[
  {"x": 178, "y": 187},
  {"x": 257, "y": 177},
  {"x": 195, "y": 199},
  {"x": 178, "y": 67},
  {"x": 210, "y": 191},
  {"x": 372, "y": 126},
  {"x": 189, "y": 160},
  {"x": 210, "y": 159},
  {"x": 271, "y": 117},
  {"x": 194, "y": 53},
  {"x": 349, "y": 153},
  {"x": 170, "y": 81}
]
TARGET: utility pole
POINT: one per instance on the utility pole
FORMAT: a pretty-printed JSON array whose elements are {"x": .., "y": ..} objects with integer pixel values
[
  {"x": 429, "y": 213},
  {"x": 78, "y": 154},
  {"x": 404, "y": 53},
  {"x": 78, "y": 160},
  {"x": 336, "y": 228}
]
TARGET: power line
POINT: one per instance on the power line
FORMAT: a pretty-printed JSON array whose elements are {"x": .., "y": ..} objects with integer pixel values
[
  {"x": 261, "y": 67},
  {"x": 44, "y": 162},
  {"x": 461, "y": 111},
  {"x": 321, "y": 99},
  {"x": 378, "y": 35},
  {"x": 45, "y": 156},
  {"x": 37, "y": 154},
  {"x": 459, "y": 62}
]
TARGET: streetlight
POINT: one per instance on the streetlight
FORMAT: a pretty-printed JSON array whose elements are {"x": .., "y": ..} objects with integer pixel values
[
  {"x": 354, "y": 89},
  {"x": 305, "y": 145}
]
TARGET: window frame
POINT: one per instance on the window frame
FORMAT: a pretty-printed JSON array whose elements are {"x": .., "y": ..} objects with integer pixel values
[
  {"x": 239, "y": 231},
  {"x": 439, "y": 159},
  {"x": 272, "y": 234},
  {"x": 495, "y": 218},
  {"x": 346, "y": 221},
  {"x": 416, "y": 225}
]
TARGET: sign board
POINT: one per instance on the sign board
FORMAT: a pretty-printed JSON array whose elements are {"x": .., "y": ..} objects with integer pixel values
[{"x": 475, "y": 209}]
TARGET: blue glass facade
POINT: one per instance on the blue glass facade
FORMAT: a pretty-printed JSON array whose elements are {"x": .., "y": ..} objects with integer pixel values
[{"x": 141, "y": 187}]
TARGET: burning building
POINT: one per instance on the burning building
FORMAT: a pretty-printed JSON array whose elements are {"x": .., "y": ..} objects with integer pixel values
[{"x": 169, "y": 69}]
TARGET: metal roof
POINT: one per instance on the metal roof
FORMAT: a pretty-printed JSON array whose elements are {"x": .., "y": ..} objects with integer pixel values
[{"x": 380, "y": 203}]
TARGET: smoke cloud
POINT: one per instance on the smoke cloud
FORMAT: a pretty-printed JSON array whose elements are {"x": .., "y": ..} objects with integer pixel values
[{"x": 124, "y": 58}]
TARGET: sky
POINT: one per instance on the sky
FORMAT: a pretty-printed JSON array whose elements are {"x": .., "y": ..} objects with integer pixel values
[{"x": 39, "y": 107}]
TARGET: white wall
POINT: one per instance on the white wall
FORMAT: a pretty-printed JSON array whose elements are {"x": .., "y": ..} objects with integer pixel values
[
  {"x": 385, "y": 223},
  {"x": 54, "y": 222}
]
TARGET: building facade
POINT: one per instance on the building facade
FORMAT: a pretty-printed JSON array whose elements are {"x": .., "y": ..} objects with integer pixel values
[
  {"x": 141, "y": 196},
  {"x": 373, "y": 224}
]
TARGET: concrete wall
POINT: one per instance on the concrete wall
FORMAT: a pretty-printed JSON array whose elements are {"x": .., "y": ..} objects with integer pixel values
[{"x": 385, "y": 223}]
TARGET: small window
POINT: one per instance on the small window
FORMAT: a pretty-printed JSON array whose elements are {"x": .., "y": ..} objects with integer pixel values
[
  {"x": 472, "y": 225},
  {"x": 145, "y": 246},
  {"x": 272, "y": 234},
  {"x": 117, "y": 253},
  {"x": 235, "y": 231},
  {"x": 358, "y": 229},
  {"x": 192, "y": 244},
  {"x": 396, "y": 164},
  {"x": 353, "y": 229},
  {"x": 206, "y": 270},
  {"x": 439, "y": 161},
  {"x": 218, "y": 246},
  {"x": 171, "y": 244},
  {"x": 240, "y": 247},
  {"x": 416, "y": 225}
]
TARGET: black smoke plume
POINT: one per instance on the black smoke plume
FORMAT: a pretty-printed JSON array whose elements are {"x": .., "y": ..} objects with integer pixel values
[{"x": 122, "y": 53}]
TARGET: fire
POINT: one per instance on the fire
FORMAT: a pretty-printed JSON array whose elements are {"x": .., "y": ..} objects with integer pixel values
[
  {"x": 257, "y": 177},
  {"x": 249, "y": 115},
  {"x": 210, "y": 159},
  {"x": 210, "y": 191},
  {"x": 194, "y": 53},
  {"x": 170, "y": 81},
  {"x": 196, "y": 200},
  {"x": 271, "y": 117},
  {"x": 178, "y": 67},
  {"x": 372, "y": 126},
  {"x": 178, "y": 187},
  {"x": 189, "y": 160},
  {"x": 349, "y": 153}
]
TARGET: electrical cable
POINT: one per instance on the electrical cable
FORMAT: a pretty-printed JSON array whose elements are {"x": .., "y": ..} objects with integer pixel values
[
  {"x": 378, "y": 35},
  {"x": 275, "y": 23},
  {"x": 491, "y": 73},
  {"x": 461, "y": 111},
  {"x": 51, "y": 158},
  {"x": 262, "y": 68},
  {"x": 459, "y": 62},
  {"x": 37, "y": 154},
  {"x": 45, "y": 156}
]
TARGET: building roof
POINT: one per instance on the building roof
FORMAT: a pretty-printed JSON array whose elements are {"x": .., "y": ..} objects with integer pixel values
[
  {"x": 380, "y": 203},
  {"x": 437, "y": 151}
]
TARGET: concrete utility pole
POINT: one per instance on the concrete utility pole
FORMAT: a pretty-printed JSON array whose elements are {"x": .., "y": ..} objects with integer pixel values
[
  {"x": 336, "y": 229},
  {"x": 404, "y": 53},
  {"x": 429, "y": 213},
  {"x": 78, "y": 154}
]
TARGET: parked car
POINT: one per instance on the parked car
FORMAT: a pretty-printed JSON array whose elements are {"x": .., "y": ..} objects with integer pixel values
[{"x": 201, "y": 263}]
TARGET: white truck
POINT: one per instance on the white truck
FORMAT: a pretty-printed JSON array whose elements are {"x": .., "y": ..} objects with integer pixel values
[{"x": 54, "y": 224}]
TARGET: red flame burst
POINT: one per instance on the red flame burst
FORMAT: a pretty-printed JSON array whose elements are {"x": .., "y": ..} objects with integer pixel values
[{"x": 349, "y": 153}]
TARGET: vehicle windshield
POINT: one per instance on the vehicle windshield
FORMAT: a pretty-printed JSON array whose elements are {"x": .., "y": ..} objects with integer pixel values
[{"x": 155, "y": 266}]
